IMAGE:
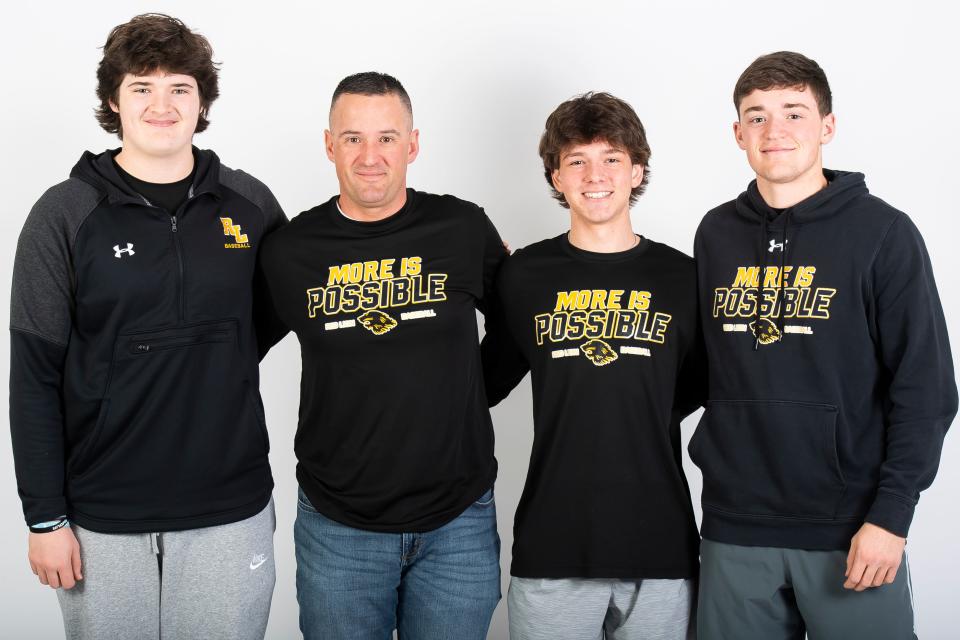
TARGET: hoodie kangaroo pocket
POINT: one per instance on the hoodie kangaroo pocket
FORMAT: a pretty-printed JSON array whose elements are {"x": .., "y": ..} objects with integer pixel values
[{"x": 769, "y": 458}]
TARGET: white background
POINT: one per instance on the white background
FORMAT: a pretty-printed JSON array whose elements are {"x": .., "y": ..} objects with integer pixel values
[{"x": 483, "y": 76}]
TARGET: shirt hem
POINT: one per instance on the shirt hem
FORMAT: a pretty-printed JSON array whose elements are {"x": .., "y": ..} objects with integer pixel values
[{"x": 228, "y": 516}]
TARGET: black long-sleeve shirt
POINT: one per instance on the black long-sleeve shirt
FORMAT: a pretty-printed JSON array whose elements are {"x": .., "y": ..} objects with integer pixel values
[
  {"x": 394, "y": 432},
  {"x": 611, "y": 341}
]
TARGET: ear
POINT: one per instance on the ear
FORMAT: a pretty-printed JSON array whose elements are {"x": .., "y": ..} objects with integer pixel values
[
  {"x": 414, "y": 149},
  {"x": 738, "y": 135},
  {"x": 113, "y": 106},
  {"x": 828, "y": 128},
  {"x": 636, "y": 175},
  {"x": 328, "y": 143},
  {"x": 555, "y": 178}
]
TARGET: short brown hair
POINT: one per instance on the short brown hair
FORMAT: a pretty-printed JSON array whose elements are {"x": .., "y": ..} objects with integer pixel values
[
  {"x": 784, "y": 70},
  {"x": 149, "y": 43},
  {"x": 589, "y": 118},
  {"x": 372, "y": 83}
]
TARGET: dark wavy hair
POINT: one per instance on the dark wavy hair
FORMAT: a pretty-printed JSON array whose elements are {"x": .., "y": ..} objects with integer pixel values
[
  {"x": 784, "y": 70},
  {"x": 148, "y": 43},
  {"x": 588, "y": 118}
]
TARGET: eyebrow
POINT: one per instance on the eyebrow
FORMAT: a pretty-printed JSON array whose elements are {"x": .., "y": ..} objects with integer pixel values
[
  {"x": 580, "y": 153},
  {"x": 144, "y": 83},
  {"x": 351, "y": 132},
  {"x": 785, "y": 105}
]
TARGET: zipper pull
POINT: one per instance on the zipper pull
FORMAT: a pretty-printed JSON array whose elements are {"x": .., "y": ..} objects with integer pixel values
[{"x": 173, "y": 223}]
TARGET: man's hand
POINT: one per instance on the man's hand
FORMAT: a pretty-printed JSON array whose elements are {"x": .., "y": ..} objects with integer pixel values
[
  {"x": 55, "y": 558},
  {"x": 874, "y": 558}
]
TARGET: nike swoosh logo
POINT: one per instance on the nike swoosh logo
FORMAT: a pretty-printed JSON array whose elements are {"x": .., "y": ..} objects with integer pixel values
[{"x": 257, "y": 563}]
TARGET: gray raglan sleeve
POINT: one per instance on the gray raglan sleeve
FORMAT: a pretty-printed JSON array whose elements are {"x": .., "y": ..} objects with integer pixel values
[
  {"x": 270, "y": 330},
  {"x": 42, "y": 303}
]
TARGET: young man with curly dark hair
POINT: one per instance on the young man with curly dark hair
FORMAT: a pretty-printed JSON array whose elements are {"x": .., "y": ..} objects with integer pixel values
[{"x": 138, "y": 431}]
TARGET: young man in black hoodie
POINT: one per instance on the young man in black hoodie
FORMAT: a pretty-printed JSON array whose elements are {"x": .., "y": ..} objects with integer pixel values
[
  {"x": 396, "y": 525},
  {"x": 605, "y": 321},
  {"x": 135, "y": 324},
  {"x": 831, "y": 382}
]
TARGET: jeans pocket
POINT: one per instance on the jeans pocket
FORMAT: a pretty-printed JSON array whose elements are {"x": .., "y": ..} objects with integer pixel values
[
  {"x": 303, "y": 502},
  {"x": 486, "y": 499}
]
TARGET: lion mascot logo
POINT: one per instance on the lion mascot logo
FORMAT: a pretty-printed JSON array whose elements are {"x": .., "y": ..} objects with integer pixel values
[
  {"x": 377, "y": 322},
  {"x": 765, "y": 331},
  {"x": 599, "y": 352}
]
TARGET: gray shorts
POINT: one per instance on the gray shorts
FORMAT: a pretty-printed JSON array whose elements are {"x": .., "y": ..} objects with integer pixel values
[
  {"x": 593, "y": 609},
  {"x": 211, "y": 583},
  {"x": 767, "y": 593}
]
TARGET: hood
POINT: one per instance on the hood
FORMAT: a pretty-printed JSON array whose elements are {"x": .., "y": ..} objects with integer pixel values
[
  {"x": 99, "y": 171},
  {"x": 842, "y": 187}
]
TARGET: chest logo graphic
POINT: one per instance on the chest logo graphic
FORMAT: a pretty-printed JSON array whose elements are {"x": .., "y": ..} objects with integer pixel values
[
  {"x": 257, "y": 561},
  {"x": 364, "y": 291},
  {"x": 774, "y": 245},
  {"x": 240, "y": 239},
  {"x": 595, "y": 318},
  {"x": 598, "y": 352},
  {"x": 757, "y": 298},
  {"x": 377, "y": 322},
  {"x": 765, "y": 331},
  {"x": 118, "y": 252}
]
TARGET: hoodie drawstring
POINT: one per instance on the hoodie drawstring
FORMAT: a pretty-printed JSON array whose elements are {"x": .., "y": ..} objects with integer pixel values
[
  {"x": 760, "y": 281},
  {"x": 783, "y": 278}
]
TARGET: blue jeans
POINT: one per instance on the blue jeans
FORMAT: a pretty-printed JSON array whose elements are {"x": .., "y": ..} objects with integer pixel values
[{"x": 359, "y": 585}]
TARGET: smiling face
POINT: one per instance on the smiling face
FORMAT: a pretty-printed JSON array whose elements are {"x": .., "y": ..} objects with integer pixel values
[
  {"x": 158, "y": 113},
  {"x": 595, "y": 180},
  {"x": 782, "y": 132},
  {"x": 371, "y": 141}
]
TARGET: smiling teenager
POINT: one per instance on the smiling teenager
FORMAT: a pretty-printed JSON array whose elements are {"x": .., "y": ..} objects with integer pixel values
[
  {"x": 136, "y": 330},
  {"x": 831, "y": 382},
  {"x": 396, "y": 525},
  {"x": 605, "y": 320}
]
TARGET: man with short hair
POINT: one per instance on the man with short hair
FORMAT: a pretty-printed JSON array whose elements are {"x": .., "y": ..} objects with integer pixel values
[
  {"x": 831, "y": 382},
  {"x": 396, "y": 524},
  {"x": 138, "y": 432},
  {"x": 605, "y": 320}
]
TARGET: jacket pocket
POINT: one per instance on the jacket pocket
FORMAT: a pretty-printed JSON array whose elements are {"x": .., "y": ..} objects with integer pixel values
[
  {"x": 181, "y": 424},
  {"x": 769, "y": 458}
]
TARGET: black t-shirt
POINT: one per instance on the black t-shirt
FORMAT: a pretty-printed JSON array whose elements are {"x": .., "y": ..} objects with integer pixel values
[
  {"x": 168, "y": 196},
  {"x": 394, "y": 431},
  {"x": 612, "y": 343}
]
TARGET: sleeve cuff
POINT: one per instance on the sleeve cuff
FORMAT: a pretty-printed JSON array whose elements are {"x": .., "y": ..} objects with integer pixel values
[{"x": 891, "y": 513}]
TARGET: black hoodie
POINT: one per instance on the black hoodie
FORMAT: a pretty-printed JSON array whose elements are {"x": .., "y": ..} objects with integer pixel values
[
  {"x": 134, "y": 401},
  {"x": 830, "y": 410}
]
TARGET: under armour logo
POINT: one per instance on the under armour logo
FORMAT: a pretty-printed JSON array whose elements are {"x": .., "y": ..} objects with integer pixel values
[
  {"x": 776, "y": 245},
  {"x": 118, "y": 252}
]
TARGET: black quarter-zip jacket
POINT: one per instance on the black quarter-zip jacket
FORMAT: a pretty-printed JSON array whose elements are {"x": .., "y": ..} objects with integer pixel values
[
  {"x": 830, "y": 401},
  {"x": 134, "y": 402}
]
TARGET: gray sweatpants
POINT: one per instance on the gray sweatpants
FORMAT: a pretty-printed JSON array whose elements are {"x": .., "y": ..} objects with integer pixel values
[
  {"x": 212, "y": 583},
  {"x": 593, "y": 609},
  {"x": 765, "y": 593}
]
